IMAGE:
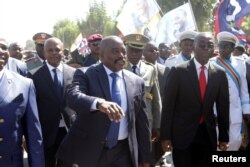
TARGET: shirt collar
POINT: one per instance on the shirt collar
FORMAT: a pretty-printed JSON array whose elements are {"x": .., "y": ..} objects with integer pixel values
[
  {"x": 60, "y": 67},
  {"x": 108, "y": 71},
  {"x": 1, "y": 73},
  {"x": 198, "y": 65}
]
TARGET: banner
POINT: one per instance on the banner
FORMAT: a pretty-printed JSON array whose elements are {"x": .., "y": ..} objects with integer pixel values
[
  {"x": 138, "y": 16},
  {"x": 229, "y": 17},
  {"x": 174, "y": 22}
]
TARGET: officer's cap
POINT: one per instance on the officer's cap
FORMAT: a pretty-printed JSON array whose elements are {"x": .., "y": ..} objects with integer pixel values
[
  {"x": 41, "y": 37},
  {"x": 137, "y": 41},
  {"x": 225, "y": 36},
  {"x": 187, "y": 35}
]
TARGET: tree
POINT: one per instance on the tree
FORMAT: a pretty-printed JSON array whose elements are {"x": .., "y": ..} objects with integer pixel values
[
  {"x": 97, "y": 21},
  {"x": 66, "y": 31}
]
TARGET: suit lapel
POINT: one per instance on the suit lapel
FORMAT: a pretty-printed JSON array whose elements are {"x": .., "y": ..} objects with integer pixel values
[
  {"x": 103, "y": 80},
  {"x": 210, "y": 80},
  {"x": 5, "y": 83},
  {"x": 128, "y": 85},
  {"x": 194, "y": 78}
]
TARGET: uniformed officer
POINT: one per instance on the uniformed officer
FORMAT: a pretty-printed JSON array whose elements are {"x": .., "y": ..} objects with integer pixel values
[
  {"x": 134, "y": 45},
  {"x": 37, "y": 61},
  {"x": 236, "y": 74},
  {"x": 186, "y": 40}
]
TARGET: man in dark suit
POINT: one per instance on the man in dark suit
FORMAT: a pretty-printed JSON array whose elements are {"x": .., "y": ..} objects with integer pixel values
[
  {"x": 247, "y": 118},
  {"x": 188, "y": 122},
  {"x": 50, "y": 82},
  {"x": 91, "y": 95},
  {"x": 18, "y": 117}
]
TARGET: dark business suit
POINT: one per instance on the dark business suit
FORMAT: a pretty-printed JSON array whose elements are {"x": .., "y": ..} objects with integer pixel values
[
  {"x": 162, "y": 72},
  {"x": 16, "y": 66},
  {"x": 248, "y": 84},
  {"x": 18, "y": 117},
  {"x": 183, "y": 107},
  {"x": 50, "y": 107},
  {"x": 85, "y": 141}
]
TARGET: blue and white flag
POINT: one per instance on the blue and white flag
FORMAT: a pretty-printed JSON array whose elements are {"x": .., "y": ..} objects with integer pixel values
[{"x": 229, "y": 17}]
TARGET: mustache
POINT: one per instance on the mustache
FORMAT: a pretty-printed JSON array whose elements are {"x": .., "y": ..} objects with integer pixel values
[{"x": 120, "y": 59}]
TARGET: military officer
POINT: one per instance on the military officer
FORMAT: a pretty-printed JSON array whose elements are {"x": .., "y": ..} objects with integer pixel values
[
  {"x": 236, "y": 74},
  {"x": 134, "y": 45},
  {"x": 186, "y": 40},
  {"x": 37, "y": 61}
]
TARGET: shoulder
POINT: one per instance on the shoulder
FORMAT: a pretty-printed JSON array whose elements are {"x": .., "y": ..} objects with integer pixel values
[
  {"x": 17, "y": 77},
  {"x": 132, "y": 76}
]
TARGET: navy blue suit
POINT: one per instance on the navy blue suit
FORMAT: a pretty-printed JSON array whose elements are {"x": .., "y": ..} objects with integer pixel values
[
  {"x": 18, "y": 117},
  {"x": 85, "y": 140},
  {"x": 17, "y": 66}
]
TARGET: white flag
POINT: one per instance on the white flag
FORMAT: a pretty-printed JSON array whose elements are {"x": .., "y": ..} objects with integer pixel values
[
  {"x": 136, "y": 15},
  {"x": 174, "y": 22}
]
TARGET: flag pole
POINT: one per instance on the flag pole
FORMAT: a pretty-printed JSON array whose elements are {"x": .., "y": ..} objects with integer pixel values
[{"x": 193, "y": 15}]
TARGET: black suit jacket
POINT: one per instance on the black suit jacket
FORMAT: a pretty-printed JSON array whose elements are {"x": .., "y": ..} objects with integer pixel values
[
  {"x": 86, "y": 138},
  {"x": 50, "y": 106},
  {"x": 182, "y": 105}
]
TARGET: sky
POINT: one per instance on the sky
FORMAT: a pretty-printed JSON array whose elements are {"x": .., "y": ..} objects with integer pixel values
[{"x": 21, "y": 19}]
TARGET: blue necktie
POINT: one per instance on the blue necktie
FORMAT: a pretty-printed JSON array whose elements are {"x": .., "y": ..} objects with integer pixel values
[
  {"x": 113, "y": 132},
  {"x": 57, "y": 84}
]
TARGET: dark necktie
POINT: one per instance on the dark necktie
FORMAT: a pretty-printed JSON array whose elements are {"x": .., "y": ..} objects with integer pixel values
[
  {"x": 57, "y": 84},
  {"x": 134, "y": 69},
  {"x": 203, "y": 85},
  {"x": 113, "y": 132}
]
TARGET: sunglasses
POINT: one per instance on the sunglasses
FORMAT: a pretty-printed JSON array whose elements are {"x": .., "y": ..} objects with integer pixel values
[{"x": 97, "y": 43}]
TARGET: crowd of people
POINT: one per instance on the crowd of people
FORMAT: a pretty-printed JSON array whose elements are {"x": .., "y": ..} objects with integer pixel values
[{"x": 126, "y": 103}]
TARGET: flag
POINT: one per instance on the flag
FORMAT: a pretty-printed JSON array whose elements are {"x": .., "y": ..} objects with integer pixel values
[
  {"x": 80, "y": 44},
  {"x": 229, "y": 17},
  {"x": 174, "y": 22},
  {"x": 138, "y": 16}
]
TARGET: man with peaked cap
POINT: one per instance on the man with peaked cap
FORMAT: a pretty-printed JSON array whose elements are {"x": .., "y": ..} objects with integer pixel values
[
  {"x": 134, "y": 45},
  {"x": 12, "y": 64},
  {"x": 186, "y": 40},
  {"x": 238, "y": 91},
  {"x": 39, "y": 39}
]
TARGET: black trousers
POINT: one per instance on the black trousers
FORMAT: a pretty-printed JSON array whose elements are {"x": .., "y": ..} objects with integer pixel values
[
  {"x": 196, "y": 155},
  {"x": 118, "y": 156},
  {"x": 49, "y": 153}
]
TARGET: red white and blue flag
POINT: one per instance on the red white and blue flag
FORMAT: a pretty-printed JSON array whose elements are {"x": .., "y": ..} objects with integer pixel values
[{"x": 229, "y": 17}]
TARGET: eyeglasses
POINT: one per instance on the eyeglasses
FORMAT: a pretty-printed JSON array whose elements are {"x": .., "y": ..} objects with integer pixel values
[
  {"x": 97, "y": 43},
  {"x": 39, "y": 45},
  {"x": 204, "y": 46},
  {"x": 3, "y": 47}
]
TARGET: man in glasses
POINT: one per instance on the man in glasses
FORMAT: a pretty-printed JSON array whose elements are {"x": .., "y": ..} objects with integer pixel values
[
  {"x": 164, "y": 53},
  {"x": 94, "y": 41},
  {"x": 37, "y": 61}
]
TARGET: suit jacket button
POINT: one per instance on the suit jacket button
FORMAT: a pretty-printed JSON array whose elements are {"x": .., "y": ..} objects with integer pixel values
[
  {"x": 1, "y": 156},
  {"x": 1, "y": 139},
  {"x": 1, "y": 120}
]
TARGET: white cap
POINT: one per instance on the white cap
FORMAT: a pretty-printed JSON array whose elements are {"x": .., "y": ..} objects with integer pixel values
[
  {"x": 187, "y": 35},
  {"x": 225, "y": 36}
]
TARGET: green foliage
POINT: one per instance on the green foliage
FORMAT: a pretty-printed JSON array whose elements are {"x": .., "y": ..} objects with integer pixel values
[
  {"x": 66, "y": 31},
  {"x": 97, "y": 21}
]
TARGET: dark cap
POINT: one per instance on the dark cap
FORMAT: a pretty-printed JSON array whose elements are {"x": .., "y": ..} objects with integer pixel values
[
  {"x": 95, "y": 37},
  {"x": 41, "y": 37},
  {"x": 137, "y": 41}
]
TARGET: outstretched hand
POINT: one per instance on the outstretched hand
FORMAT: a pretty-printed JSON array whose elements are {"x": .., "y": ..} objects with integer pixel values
[{"x": 113, "y": 110}]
